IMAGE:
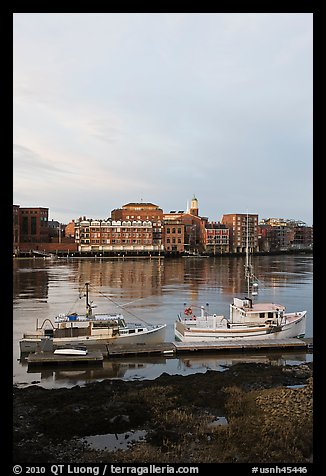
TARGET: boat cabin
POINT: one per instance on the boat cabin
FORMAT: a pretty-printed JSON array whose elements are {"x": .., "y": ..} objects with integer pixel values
[{"x": 244, "y": 311}]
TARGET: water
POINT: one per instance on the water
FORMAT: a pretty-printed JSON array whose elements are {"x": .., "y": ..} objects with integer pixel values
[
  {"x": 154, "y": 290},
  {"x": 114, "y": 441}
]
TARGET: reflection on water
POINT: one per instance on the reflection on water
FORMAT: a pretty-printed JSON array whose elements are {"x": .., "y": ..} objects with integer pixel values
[
  {"x": 114, "y": 441},
  {"x": 149, "y": 368},
  {"x": 153, "y": 290}
]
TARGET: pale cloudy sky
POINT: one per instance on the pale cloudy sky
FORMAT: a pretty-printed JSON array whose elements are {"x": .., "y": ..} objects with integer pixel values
[{"x": 110, "y": 108}]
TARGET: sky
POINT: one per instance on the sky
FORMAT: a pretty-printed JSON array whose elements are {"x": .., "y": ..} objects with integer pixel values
[{"x": 112, "y": 108}]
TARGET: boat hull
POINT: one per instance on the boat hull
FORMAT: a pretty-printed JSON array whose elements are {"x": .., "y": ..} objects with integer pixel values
[
  {"x": 150, "y": 336},
  {"x": 295, "y": 328}
]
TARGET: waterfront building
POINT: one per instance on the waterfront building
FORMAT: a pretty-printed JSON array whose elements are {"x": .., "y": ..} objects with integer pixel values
[
  {"x": 302, "y": 237},
  {"x": 117, "y": 236},
  {"x": 279, "y": 234},
  {"x": 243, "y": 229},
  {"x": 174, "y": 236},
  {"x": 16, "y": 230},
  {"x": 33, "y": 224},
  {"x": 188, "y": 226},
  {"x": 69, "y": 230},
  {"x": 142, "y": 211},
  {"x": 56, "y": 231},
  {"x": 217, "y": 238},
  {"x": 138, "y": 211},
  {"x": 33, "y": 233},
  {"x": 175, "y": 233}
]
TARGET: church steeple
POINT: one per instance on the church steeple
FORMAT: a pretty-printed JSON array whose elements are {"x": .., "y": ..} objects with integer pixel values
[{"x": 194, "y": 210}]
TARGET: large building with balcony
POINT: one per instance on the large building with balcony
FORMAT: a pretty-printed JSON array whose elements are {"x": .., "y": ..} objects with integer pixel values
[
  {"x": 279, "y": 234},
  {"x": 117, "y": 236},
  {"x": 243, "y": 231}
]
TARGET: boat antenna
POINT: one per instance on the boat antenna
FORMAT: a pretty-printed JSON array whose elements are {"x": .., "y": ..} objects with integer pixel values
[
  {"x": 88, "y": 304},
  {"x": 247, "y": 264},
  {"x": 87, "y": 294},
  {"x": 124, "y": 309}
]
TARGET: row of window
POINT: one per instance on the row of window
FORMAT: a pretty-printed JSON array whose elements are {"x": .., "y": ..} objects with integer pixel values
[
  {"x": 244, "y": 219},
  {"x": 168, "y": 230},
  {"x": 113, "y": 230},
  {"x": 104, "y": 236},
  {"x": 138, "y": 217},
  {"x": 116, "y": 242},
  {"x": 217, "y": 231},
  {"x": 218, "y": 239},
  {"x": 173, "y": 240}
]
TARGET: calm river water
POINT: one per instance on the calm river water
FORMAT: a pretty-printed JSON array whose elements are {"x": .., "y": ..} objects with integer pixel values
[{"x": 154, "y": 290}]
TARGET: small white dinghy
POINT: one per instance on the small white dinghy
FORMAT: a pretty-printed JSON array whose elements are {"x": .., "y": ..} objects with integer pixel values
[{"x": 71, "y": 351}]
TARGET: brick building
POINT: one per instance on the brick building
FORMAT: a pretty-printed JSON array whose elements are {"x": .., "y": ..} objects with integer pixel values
[
  {"x": 16, "y": 228},
  {"x": 118, "y": 236},
  {"x": 279, "y": 234},
  {"x": 192, "y": 232},
  {"x": 217, "y": 238},
  {"x": 138, "y": 211},
  {"x": 33, "y": 225},
  {"x": 174, "y": 236},
  {"x": 243, "y": 229}
]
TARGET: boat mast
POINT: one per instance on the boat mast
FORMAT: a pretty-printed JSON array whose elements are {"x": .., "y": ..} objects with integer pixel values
[
  {"x": 86, "y": 295},
  {"x": 249, "y": 275},
  {"x": 248, "y": 270}
]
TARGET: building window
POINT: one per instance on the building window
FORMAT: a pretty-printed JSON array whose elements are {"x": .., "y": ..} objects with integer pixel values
[
  {"x": 33, "y": 225},
  {"x": 25, "y": 225}
]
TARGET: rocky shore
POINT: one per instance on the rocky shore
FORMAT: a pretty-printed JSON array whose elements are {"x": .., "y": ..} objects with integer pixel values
[{"x": 250, "y": 413}]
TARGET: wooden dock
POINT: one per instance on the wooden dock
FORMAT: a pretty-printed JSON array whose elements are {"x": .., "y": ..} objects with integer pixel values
[
  {"x": 96, "y": 355},
  {"x": 49, "y": 358},
  {"x": 164, "y": 348},
  {"x": 244, "y": 345}
]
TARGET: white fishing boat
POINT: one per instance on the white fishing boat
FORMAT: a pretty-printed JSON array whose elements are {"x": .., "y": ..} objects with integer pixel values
[
  {"x": 247, "y": 319},
  {"x": 73, "y": 329}
]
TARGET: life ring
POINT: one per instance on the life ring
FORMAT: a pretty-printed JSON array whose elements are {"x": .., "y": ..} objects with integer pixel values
[{"x": 188, "y": 311}]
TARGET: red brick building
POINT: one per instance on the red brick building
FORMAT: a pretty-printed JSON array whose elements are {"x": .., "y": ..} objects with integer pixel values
[
  {"x": 174, "y": 236},
  {"x": 217, "y": 238},
  {"x": 192, "y": 232},
  {"x": 33, "y": 224},
  {"x": 125, "y": 236},
  {"x": 242, "y": 227},
  {"x": 138, "y": 211},
  {"x": 16, "y": 228}
]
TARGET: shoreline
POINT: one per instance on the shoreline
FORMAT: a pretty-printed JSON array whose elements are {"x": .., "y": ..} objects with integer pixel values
[
  {"x": 249, "y": 413},
  {"x": 147, "y": 255}
]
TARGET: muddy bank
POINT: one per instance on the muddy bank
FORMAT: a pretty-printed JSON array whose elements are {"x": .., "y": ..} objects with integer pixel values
[{"x": 248, "y": 413}]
